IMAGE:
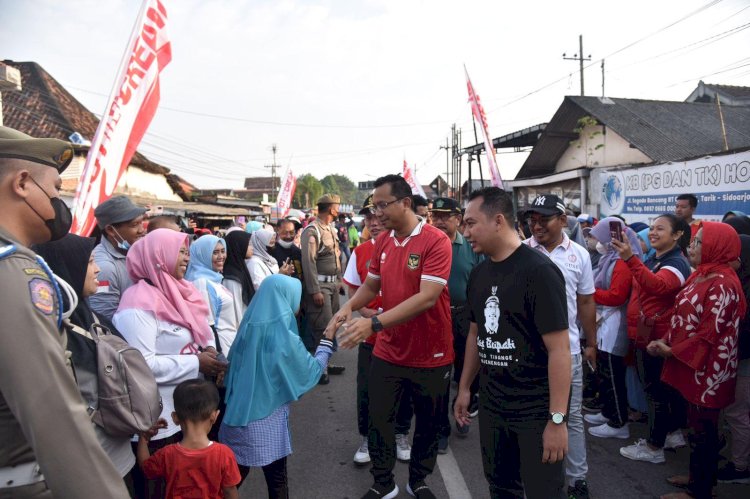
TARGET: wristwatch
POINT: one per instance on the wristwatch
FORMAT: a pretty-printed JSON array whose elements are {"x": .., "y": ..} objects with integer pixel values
[
  {"x": 376, "y": 325},
  {"x": 558, "y": 417}
]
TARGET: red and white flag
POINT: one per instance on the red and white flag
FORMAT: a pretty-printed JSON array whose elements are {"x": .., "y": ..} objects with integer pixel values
[
  {"x": 478, "y": 112},
  {"x": 131, "y": 106},
  {"x": 286, "y": 193},
  {"x": 411, "y": 179}
]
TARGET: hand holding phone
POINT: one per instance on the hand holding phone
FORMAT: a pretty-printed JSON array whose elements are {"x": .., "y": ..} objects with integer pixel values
[{"x": 615, "y": 231}]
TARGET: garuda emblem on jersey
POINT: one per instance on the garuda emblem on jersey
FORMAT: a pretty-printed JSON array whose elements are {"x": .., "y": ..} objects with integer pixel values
[{"x": 413, "y": 261}]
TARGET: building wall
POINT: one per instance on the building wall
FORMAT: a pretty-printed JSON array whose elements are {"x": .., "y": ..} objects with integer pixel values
[
  {"x": 598, "y": 148},
  {"x": 134, "y": 182}
]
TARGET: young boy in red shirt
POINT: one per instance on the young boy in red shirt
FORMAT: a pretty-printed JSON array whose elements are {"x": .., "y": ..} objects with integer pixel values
[{"x": 195, "y": 467}]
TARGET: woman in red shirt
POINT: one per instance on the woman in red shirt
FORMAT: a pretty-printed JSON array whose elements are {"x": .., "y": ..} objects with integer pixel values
[
  {"x": 700, "y": 348},
  {"x": 656, "y": 282}
]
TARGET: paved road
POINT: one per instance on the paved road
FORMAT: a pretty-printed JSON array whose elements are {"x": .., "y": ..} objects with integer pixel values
[{"x": 324, "y": 439}]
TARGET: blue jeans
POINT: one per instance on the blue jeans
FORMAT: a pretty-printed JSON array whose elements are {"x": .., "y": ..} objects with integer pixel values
[{"x": 576, "y": 466}]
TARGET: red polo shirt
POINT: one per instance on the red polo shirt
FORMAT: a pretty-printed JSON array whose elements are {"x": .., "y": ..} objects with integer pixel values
[{"x": 425, "y": 340}]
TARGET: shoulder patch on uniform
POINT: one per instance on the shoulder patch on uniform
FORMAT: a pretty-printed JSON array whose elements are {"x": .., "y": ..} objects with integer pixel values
[
  {"x": 42, "y": 295},
  {"x": 35, "y": 271}
]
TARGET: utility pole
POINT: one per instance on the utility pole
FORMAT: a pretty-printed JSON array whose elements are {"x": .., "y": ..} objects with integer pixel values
[
  {"x": 602, "y": 78},
  {"x": 579, "y": 57},
  {"x": 273, "y": 173},
  {"x": 447, "y": 167}
]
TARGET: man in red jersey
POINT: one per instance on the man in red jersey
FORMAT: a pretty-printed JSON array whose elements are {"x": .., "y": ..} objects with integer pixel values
[
  {"x": 414, "y": 350},
  {"x": 355, "y": 275}
]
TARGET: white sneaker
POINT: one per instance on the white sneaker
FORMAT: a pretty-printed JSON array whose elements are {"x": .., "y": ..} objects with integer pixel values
[
  {"x": 640, "y": 451},
  {"x": 597, "y": 419},
  {"x": 606, "y": 431},
  {"x": 362, "y": 456},
  {"x": 403, "y": 449},
  {"x": 675, "y": 440}
]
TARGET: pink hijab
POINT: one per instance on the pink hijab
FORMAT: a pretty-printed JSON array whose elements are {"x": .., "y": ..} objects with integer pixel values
[{"x": 173, "y": 300}]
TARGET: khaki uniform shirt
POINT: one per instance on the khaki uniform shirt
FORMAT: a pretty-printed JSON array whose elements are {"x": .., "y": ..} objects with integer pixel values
[
  {"x": 319, "y": 259},
  {"x": 42, "y": 415}
]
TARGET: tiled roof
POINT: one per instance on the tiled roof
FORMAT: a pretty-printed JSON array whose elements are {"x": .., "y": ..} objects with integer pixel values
[
  {"x": 662, "y": 130},
  {"x": 43, "y": 108},
  {"x": 263, "y": 184},
  {"x": 733, "y": 90}
]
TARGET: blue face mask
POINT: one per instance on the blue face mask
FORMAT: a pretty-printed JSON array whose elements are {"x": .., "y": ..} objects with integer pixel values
[{"x": 122, "y": 244}]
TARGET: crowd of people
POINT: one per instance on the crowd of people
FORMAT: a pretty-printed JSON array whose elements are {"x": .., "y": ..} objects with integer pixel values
[{"x": 544, "y": 321}]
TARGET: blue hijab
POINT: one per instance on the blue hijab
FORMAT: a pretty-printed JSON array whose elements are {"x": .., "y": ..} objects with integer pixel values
[
  {"x": 200, "y": 266},
  {"x": 643, "y": 236},
  {"x": 268, "y": 364}
]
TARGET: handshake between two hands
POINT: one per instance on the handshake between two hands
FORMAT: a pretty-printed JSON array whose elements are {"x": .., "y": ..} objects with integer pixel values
[{"x": 354, "y": 331}]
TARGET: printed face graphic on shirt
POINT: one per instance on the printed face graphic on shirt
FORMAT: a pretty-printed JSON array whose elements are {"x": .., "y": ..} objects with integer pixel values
[{"x": 492, "y": 313}]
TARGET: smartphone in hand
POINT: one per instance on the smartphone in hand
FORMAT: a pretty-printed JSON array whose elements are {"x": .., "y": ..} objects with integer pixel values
[{"x": 615, "y": 231}]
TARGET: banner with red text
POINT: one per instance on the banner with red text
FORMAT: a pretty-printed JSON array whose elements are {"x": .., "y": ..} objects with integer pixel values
[
  {"x": 130, "y": 109},
  {"x": 411, "y": 179},
  {"x": 286, "y": 193},
  {"x": 478, "y": 112}
]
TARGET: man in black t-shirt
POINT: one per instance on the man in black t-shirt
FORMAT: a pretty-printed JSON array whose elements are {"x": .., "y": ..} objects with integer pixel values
[
  {"x": 285, "y": 251},
  {"x": 518, "y": 343}
]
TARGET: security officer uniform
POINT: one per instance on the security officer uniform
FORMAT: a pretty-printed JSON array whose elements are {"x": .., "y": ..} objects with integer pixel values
[
  {"x": 321, "y": 269},
  {"x": 47, "y": 443}
]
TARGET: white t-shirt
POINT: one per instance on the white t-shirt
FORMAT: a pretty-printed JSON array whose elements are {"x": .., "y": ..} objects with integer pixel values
[
  {"x": 259, "y": 269},
  {"x": 235, "y": 288},
  {"x": 227, "y": 324},
  {"x": 169, "y": 351},
  {"x": 574, "y": 262}
]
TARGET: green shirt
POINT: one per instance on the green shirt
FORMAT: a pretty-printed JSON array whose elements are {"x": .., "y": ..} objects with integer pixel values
[{"x": 464, "y": 260}]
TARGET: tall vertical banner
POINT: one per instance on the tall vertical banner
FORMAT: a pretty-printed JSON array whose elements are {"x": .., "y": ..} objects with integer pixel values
[
  {"x": 286, "y": 193},
  {"x": 478, "y": 112},
  {"x": 411, "y": 179},
  {"x": 130, "y": 109}
]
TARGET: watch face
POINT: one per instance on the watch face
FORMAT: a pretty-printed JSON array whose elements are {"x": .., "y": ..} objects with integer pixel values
[{"x": 557, "y": 418}]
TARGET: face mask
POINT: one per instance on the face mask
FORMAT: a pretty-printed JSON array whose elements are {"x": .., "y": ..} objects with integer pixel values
[
  {"x": 60, "y": 225},
  {"x": 601, "y": 249},
  {"x": 285, "y": 244},
  {"x": 122, "y": 243}
]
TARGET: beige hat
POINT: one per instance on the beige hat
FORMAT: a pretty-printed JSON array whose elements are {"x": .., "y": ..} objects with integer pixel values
[
  {"x": 329, "y": 199},
  {"x": 51, "y": 152}
]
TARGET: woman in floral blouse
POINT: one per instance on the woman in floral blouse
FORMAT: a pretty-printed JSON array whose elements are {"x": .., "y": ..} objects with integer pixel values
[{"x": 700, "y": 348}]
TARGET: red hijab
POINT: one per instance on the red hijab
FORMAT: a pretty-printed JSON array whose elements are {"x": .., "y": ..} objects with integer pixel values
[
  {"x": 172, "y": 300},
  {"x": 720, "y": 245}
]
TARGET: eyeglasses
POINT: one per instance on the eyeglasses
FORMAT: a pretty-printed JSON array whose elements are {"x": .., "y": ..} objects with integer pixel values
[
  {"x": 381, "y": 206},
  {"x": 543, "y": 221}
]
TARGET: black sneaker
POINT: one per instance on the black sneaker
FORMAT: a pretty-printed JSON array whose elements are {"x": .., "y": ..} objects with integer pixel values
[
  {"x": 579, "y": 491},
  {"x": 730, "y": 474},
  {"x": 592, "y": 405},
  {"x": 443, "y": 445},
  {"x": 324, "y": 379},
  {"x": 333, "y": 369},
  {"x": 474, "y": 406},
  {"x": 462, "y": 430},
  {"x": 378, "y": 491},
  {"x": 420, "y": 490}
]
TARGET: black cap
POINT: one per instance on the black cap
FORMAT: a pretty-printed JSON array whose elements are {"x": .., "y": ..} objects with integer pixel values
[
  {"x": 546, "y": 204},
  {"x": 366, "y": 206},
  {"x": 117, "y": 210},
  {"x": 446, "y": 205}
]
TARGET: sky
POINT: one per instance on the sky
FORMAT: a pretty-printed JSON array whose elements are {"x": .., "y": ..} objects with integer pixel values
[{"x": 355, "y": 87}]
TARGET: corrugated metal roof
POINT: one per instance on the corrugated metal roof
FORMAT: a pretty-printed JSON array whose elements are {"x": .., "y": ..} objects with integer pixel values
[{"x": 662, "y": 130}]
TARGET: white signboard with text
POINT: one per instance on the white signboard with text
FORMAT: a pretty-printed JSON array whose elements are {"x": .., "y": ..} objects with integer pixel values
[{"x": 721, "y": 184}]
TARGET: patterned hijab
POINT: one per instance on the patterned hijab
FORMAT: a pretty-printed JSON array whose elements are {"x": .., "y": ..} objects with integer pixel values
[
  {"x": 720, "y": 245},
  {"x": 151, "y": 262}
]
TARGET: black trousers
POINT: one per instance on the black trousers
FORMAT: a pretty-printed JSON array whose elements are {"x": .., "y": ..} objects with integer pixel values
[
  {"x": 704, "y": 449},
  {"x": 512, "y": 460},
  {"x": 666, "y": 407},
  {"x": 612, "y": 390},
  {"x": 460, "y": 323},
  {"x": 427, "y": 387},
  {"x": 276, "y": 478},
  {"x": 404, "y": 412}
]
